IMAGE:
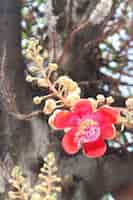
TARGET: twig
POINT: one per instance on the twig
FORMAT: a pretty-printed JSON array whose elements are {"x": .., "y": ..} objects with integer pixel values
[
  {"x": 26, "y": 116},
  {"x": 71, "y": 36}
]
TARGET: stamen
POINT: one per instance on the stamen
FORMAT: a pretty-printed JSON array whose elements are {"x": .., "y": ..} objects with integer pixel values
[
  {"x": 89, "y": 131},
  {"x": 85, "y": 124}
]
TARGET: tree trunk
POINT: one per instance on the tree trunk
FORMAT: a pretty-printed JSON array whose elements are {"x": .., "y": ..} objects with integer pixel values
[{"x": 17, "y": 138}]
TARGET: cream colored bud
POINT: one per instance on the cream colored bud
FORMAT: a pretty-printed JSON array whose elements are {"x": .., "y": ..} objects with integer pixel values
[
  {"x": 110, "y": 100},
  {"x": 39, "y": 47},
  {"x": 42, "y": 82},
  {"x": 37, "y": 100},
  {"x": 11, "y": 195},
  {"x": 73, "y": 86},
  {"x": 29, "y": 54},
  {"x": 29, "y": 78},
  {"x": 49, "y": 107},
  {"x": 100, "y": 98},
  {"x": 58, "y": 189},
  {"x": 39, "y": 60},
  {"x": 68, "y": 84},
  {"x": 51, "y": 157},
  {"x": 45, "y": 54},
  {"x": 33, "y": 69},
  {"x": 53, "y": 66},
  {"x": 33, "y": 41},
  {"x": 129, "y": 103},
  {"x": 36, "y": 196},
  {"x": 77, "y": 91},
  {"x": 72, "y": 99},
  {"x": 64, "y": 80}
]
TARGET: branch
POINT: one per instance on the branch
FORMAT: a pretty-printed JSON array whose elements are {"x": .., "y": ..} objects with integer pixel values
[{"x": 28, "y": 116}]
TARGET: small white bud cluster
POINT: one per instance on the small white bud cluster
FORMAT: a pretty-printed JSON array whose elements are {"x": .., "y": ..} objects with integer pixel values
[
  {"x": 129, "y": 103},
  {"x": 68, "y": 84},
  {"x": 49, "y": 107},
  {"x": 101, "y": 99}
]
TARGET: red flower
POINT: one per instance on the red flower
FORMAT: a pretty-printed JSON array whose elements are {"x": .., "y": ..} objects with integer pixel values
[{"x": 86, "y": 128}]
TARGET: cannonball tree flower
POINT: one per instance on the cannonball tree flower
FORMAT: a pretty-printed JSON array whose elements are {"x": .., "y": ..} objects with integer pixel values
[{"x": 86, "y": 127}]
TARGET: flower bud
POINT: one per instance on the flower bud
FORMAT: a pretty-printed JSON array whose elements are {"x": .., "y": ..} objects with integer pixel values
[
  {"x": 42, "y": 82},
  {"x": 50, "y": 105},
  {"x": 45, "y": 55},
  {"x": 53, "y": 66},
  {"x": 28, "y": 54},
  {"x": 29, "y": 78},
  {"x": 72, "y": 98},
  {"x": 129, "y": 103},
  {"x": 33, "y": 69},
  {"x": 39, "y": 60},
  {"x": 68, "y": 84},
  {"x": 100, "y": 98},
  {"x": 37, "y": 100},
  {"x": 110, "y": 100},
  {"x": 36, "y": 196}
]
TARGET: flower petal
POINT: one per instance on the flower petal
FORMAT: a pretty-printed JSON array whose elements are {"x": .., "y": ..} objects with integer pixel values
[
  {"x": 69, "y": 143},
  {"x": 108, "y": 131},
  {"x": 65, "y": 119},
  {"x": 94, "y": 149},
  {"x": 83, "y": 107},
  {"x": 106, "y": 114}
]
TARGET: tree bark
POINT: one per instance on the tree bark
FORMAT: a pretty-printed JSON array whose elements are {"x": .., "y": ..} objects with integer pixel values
[{"x": 17, "y": 138}]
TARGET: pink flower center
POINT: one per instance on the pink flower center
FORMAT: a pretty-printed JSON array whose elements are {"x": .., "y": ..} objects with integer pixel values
[{"x": 89, "y": 131}]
